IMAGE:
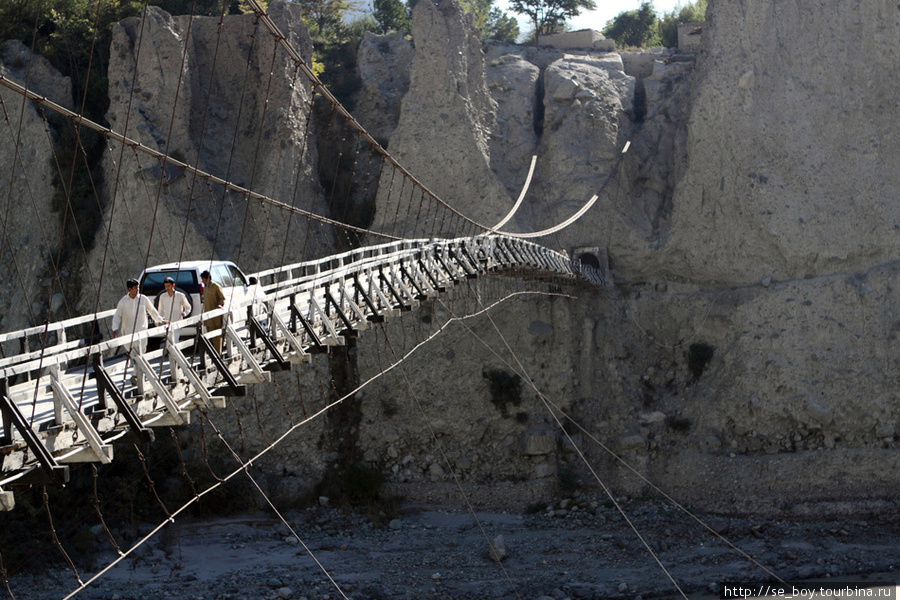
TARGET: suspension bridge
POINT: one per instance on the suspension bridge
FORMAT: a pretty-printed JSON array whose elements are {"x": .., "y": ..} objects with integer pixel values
[
  {"x": 69, "y": 391},
  {"x": 69, "y": 405}
]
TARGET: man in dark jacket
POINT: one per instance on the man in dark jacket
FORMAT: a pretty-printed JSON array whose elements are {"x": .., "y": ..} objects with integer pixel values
[{"x": 213, "y": 298}]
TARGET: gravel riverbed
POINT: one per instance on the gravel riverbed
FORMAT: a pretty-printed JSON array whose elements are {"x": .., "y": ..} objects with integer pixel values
[{"x": 578, "y": 548}]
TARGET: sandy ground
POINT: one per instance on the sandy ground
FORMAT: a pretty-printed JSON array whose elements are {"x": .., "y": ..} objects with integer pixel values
[{"x": 578, "y": 549}]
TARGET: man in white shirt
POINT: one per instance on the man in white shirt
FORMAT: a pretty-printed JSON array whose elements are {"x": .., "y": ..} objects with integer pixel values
[
  {"x": 173, "y": 305},
  {"x": 131, "y": 318}
]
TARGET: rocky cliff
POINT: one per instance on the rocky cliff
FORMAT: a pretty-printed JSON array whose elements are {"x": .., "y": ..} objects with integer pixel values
[
  {"x": 743, "y": 356},
  {"x": 28, "y": 188},
  {"x": 204, "y": 94},
  {"x": 750, "y": 332}
]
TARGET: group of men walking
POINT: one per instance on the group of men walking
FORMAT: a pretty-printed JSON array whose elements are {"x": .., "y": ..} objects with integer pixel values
[{"x": 134, "y": 312}]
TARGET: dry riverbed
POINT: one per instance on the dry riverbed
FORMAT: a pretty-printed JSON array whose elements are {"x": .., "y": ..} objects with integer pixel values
[{"x": 580, "y": 548}]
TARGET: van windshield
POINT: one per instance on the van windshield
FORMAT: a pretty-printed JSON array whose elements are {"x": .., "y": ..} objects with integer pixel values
[{"x": 186, "y": 281}]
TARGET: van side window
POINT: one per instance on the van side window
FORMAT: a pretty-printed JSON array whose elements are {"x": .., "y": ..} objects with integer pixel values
[
  {"x": 238, "y": 276},
  {"x": 222, "y": 276}
]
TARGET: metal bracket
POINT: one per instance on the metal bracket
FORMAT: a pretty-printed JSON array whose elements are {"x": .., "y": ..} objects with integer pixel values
[
  {"x": 103, "y": 452},
  {"x": 161, "y": 390},
  {"x": 420, "y": 293},
  {"x": 404, "y": 305},
  {"x": 57, "y": 473},
  {"x": 234, "y": 388},
  {"x": 402, "y": 287},
  {"x": 375, "y": 289},
  {"x": 5, "y": 418},
  {"x": 430, "y": 276},
  {"x": 453, "y": 274},
  {"x": 362, "y": 323},
  {"x": 300, "y": 354},
  {"x": 329, "y": 299},
  {"x": 376, "y": 316},
  {"x": 105, "y": 382},
  {"x": 462, "y": 260},
  {"x": 199, "y": 387},
  {"x": 338, "y": 340},
  {"x": 298, "y": 316},
  {"x": 257, "y": 373},
  {"x": 283, "y": 364}
]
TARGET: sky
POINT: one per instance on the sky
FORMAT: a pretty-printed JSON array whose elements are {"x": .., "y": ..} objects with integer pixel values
[{"x": 606, "y": 10}]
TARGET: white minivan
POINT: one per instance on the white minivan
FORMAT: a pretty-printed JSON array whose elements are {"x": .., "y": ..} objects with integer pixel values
[{"x": 186, "y": 274}]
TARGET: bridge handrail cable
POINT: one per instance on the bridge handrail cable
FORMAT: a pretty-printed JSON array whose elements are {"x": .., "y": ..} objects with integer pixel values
[
  {"x": 110, "y": 133},
  {"x": 322, "y": 89}
]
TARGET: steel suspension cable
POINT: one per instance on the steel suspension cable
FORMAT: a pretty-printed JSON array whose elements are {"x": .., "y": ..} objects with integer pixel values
[
  {"x": 326, "y": 93},
  {"x": 192, "y": 187},
  {"x": 446, "y": 459},
  {"x": 259, "y": 137},
  {"x": 581, "y": 211},
  {"x": 259, "y": 455},
  {"x": 127, "y": 141},
  {"x": 520, "y": 370}
]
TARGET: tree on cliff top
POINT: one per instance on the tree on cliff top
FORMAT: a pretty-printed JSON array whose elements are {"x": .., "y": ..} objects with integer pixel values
[
  {"x": 692, "y": 12},
  {"x": 391, "y": 15},
  {"x": 548, "y": 16},
  {"x": 635, "y": 28},
  {"x": 492, "y": 23}
]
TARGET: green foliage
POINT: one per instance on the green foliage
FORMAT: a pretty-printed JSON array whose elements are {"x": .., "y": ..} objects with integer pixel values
[
  {"x": 338, "y": 60},
  {"x": 198, "y": 7},
  {"x": 325, "y": 18},
  {"x": 549, "y": 16},
  {"x": 634, "y": 28},
  {"x": 492, "y": 23},
  {"x": 356, "y": 28},
  {"x": 693, "y": 12},
  {"x": 480, "y": 11},
  {"x": 501, "y": 27},
  {"x": 391, "y": 15}
]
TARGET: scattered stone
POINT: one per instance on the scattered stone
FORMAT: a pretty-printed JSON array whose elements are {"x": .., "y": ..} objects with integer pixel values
[{"x": 498, "y": 550}]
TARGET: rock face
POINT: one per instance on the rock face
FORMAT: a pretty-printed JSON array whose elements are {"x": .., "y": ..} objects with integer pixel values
[
  {"x": 749, "y": 330},
  {"x": 751, "y": 237},
  {"x": 239, "y": 114},
  {"x": 793, "y": 166},
  {"x": 447, "y": 107},
  {"x": 30, "y": 242},
  {"x": 384, "y": 65}
]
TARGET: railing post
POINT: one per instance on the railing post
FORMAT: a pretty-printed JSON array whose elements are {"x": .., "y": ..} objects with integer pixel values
[
  {"x": 5, "y": 415},
  {"x": 51, "y": 469},
  {"x": 97, "y": 360}
]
